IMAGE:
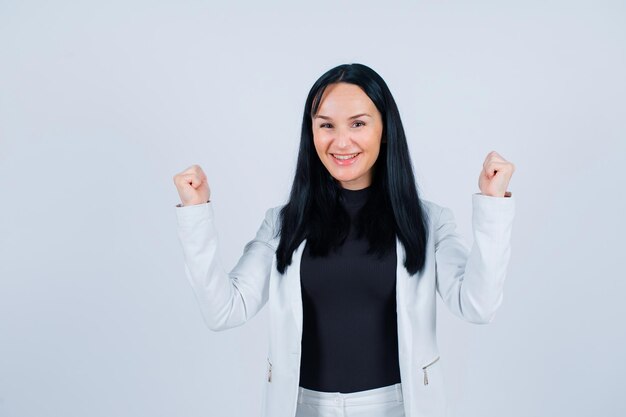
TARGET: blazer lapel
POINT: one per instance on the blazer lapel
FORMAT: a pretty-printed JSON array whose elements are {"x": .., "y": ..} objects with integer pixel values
[{"x": 293, "y": 281}]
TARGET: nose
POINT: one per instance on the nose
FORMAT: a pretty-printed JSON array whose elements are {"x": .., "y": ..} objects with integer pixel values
[{"x": 343, "y": 138}]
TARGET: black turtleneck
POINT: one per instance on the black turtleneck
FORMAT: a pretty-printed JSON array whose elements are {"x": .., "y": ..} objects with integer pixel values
[{"x": 349, "y": 335}]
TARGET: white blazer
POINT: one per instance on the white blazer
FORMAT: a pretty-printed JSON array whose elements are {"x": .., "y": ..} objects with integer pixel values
[{"x": 470, "y": 282}]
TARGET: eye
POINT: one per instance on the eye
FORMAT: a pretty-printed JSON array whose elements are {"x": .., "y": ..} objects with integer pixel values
[
  {"x": 363, "y": 124},
  {"x": 324, "y": 124}
]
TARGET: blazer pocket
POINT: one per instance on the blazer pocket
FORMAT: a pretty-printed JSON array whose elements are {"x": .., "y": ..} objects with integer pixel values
[{"x": 425, "y": 368}]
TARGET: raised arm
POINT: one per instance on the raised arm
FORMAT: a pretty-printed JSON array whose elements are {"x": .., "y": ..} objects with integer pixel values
[
  {"x": 471, "y": 282},
  {"x": 226, "y": 299}
]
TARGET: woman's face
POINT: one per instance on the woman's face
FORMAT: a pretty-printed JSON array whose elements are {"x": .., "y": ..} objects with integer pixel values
[{"x": 348, "y": 123}]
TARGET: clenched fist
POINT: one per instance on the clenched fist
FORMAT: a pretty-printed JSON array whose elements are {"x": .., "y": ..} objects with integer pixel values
[
  {"x": 192, "y": 186},
  {"x": 495, "y": 176}
]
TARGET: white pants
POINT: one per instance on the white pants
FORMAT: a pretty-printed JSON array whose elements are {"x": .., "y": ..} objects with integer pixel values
[{"x": 378, "y": 402}]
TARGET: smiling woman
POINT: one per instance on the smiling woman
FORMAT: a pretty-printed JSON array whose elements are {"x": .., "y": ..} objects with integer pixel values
[
  {"x": 352, "y": 138},
  {"x": 352, "y": 263}
]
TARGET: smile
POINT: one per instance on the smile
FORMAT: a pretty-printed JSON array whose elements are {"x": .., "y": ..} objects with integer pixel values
[
  {"x": 345, "y": 159},
  {"x": 345, "y": 156}
]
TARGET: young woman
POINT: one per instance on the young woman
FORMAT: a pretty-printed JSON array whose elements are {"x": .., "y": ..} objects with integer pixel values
[{"x": 351, "y": 264}]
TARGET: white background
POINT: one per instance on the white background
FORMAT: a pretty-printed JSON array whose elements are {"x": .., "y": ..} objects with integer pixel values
[{"x": 101, "y": 103}]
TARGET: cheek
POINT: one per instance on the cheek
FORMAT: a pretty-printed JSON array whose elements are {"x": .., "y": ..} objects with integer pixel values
[
  {"x": 320, "y": 143},
  {"x": 372, "y": 141}
]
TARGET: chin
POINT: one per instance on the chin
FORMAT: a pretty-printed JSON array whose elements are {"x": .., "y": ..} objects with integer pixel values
[
  {"x": 344, "y": 178},
  {"x": 340, "y": 175}
]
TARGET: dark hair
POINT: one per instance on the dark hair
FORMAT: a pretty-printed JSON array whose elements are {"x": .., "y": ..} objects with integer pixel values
[{"x": 314, "y": 212}]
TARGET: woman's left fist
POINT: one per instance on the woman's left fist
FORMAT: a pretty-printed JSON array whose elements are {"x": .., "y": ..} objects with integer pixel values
[{"x": 495, "y": 176}]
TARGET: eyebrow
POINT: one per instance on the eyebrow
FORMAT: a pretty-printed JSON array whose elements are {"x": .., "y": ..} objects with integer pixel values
[{"x": 319, "y": 116}]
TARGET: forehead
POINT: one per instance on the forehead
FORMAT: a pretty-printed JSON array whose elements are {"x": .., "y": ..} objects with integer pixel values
[{"x": 342, "y": 98}]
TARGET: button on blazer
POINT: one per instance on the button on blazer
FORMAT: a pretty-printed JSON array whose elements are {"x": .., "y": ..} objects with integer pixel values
[{"x": 469, "y": 280}]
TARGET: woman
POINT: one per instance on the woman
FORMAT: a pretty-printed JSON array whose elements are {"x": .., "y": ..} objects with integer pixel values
[{"x": 351, "y": 264}]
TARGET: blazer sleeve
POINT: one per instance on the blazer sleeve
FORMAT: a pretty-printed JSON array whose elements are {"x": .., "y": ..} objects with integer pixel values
[
  {"x": 471, "y": 281},
  {"x": 226, "y": 299}
]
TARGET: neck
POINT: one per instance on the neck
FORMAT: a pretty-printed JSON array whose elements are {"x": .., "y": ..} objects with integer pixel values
[{"x": 354, "y": 198}]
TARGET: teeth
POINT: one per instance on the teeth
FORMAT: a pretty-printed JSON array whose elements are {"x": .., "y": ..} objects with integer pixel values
[{"x": 346, "y": 157}]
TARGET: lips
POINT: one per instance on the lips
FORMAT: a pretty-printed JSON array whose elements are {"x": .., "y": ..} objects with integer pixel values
[{"x": 345, "y": 159}]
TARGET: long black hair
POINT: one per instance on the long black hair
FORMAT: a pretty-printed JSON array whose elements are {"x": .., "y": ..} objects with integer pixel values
[{"x": 393, "y": 208}]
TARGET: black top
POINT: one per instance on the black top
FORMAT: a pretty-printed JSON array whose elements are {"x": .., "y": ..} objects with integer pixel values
[{"x": 349, "y": 334}]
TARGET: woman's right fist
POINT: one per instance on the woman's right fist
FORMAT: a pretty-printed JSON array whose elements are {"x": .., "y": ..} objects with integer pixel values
[{"x": 192, "y": 186}]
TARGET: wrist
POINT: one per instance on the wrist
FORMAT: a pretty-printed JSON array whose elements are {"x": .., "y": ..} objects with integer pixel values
[
  {"x": 191, "y": 204},
  {"x": 506, "y": 194}
]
